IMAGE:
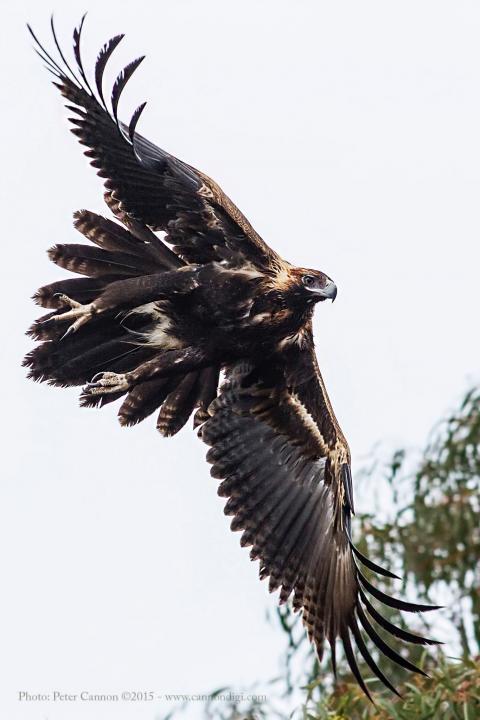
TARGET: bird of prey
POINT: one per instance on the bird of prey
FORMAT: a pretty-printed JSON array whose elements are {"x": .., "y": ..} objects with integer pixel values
[{"x": 182, "y": 308}]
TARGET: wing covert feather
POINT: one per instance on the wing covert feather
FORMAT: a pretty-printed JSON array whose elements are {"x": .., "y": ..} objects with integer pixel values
[
  {"x": 286, "y": 493},
  {"x": 150, "y": 185}
]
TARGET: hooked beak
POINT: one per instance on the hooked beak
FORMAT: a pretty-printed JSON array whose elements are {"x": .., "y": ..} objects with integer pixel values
[{"x": 329, "y": 292}]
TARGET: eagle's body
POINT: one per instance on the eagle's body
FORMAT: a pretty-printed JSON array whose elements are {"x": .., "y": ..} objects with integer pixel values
[
  {"x": 156, "y": 320},
  {"x": 231, "y": 312},
  {"x": 235, "y": 313}
]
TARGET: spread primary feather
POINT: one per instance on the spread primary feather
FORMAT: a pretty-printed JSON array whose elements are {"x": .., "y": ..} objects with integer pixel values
[{"x": 154, "y": 321}]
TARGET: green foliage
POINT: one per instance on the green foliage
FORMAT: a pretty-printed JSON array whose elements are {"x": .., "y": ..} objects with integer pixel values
[
  {"x": 431, "y": 537},
  {"x": 435, "y": 533},
  {"x": 451, "y": 691}
]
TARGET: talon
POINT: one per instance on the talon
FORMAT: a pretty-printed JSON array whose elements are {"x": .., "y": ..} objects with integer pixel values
[
  {"x": 67, "y": 300},
  {"x": 107, "y": 382},
  {"x": 95, "y": 377},
  {"x": 79, "y": 313},
  {"x": 69, "y": 330}
]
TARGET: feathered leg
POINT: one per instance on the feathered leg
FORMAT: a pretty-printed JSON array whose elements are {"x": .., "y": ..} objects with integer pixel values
[
  {"x": 128, "y": 293},
  {"x": 172, "y": 362}
]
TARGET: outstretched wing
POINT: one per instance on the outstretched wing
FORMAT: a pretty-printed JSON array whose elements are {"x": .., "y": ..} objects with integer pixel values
[
  {"x": 285, "y": 467},
  {"x": 150, "y": 185}
]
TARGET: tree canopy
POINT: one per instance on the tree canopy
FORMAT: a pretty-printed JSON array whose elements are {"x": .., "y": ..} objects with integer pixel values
[{"x": 430, "y": 535}]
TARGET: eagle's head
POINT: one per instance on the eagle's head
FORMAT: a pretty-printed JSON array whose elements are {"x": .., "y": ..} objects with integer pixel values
[{"x": 312, "y": 286}]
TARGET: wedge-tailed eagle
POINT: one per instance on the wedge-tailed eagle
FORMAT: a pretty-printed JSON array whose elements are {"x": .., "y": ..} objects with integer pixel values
[{"x": 177, "y": 291}]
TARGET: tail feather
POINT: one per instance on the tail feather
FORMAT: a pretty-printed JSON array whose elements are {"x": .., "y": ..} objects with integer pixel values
[
  {"x": 98, "y": 401},
  {"x": 164, "y": 256},
  {"x": 106, "y": 344},
  {"x": 74, "y": 363},
  {"x": 177, "y": 397},
  {"x": 95, "y": 262},
  {"x": 43, "y": 330},
  {"x": 120, "y": 251},
  {"x": 178, "y": 405},
  {"x": 111, "y": 236},
  {"x": 143, "y": 400},
  {"x": 208, "y": 386},
  {"x": 83, "y": 290}
]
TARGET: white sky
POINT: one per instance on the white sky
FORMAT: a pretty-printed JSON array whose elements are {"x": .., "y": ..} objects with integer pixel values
[{"x": 349, "y": 135}]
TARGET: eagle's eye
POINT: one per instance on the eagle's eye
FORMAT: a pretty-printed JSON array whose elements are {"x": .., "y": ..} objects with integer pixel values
[{"x": 308, "y": 280}]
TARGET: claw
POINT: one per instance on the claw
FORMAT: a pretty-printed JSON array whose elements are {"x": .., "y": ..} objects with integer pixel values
[
  {"x": 67, "y": 300},
  {"x": 69, "y": 330},
  {"x": 107, "y": 382},
  {"x": 96, "y": 377},
  {"x": 81, "y": 314}
]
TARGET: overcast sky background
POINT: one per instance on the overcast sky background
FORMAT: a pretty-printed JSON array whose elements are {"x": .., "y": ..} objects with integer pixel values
[{"x": 348, "y": 133}]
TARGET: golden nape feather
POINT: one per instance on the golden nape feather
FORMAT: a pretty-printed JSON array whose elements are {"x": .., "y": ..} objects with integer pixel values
[{"x": 172, "y": 292}]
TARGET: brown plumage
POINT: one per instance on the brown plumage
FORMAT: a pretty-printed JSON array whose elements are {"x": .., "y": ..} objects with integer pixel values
[{"x": 155, "y": 320}]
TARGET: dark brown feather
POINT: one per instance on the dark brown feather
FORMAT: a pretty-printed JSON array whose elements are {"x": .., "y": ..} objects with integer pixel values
[
  {"x": 178, "y": 405},
  {"x": 83, "y": 290},
  {"x": 95, "y": 262},
  {"x": 295, "y": 517},
  {"x": 207, "y": 392},
  {"x": 153, "y": 186},
  {"x": 160, "y": 325},
  {"x": 111, "y": 236},
  {"x": 143, "y": 400}
]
